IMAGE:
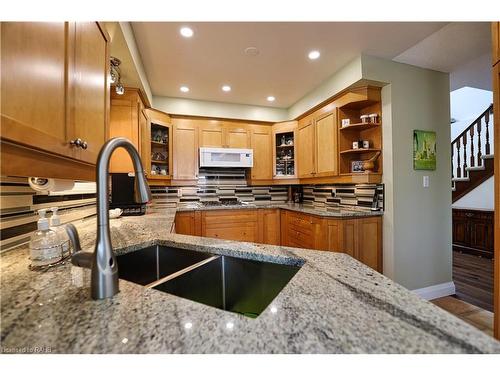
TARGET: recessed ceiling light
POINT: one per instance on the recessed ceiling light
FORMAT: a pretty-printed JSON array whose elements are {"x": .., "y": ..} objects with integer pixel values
[
  {"x": 186, "y": 32},
  {"x": 184, "y": 89},
  {"x": 226, "y": 88},
  {"x": 251, "y": 51},
  {"x": 271, "y": 98},
  {"x": 313, "y": 55}
]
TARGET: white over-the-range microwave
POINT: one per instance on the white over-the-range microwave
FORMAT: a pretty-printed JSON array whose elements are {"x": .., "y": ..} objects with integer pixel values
[{"x": 226, "y": 157}]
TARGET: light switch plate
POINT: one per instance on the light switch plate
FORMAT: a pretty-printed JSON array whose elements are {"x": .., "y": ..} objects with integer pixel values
[{"x": 426, "y": 181}]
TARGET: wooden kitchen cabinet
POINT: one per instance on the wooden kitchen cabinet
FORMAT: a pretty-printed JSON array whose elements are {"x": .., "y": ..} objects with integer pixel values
[
  {"x": 157, "y": 147},
  {"x": 236, "y": 135},
  {"x": 218, "y": 133},
  {"x": 89, "y": 89},
  {"x": 317, "y": 144},
  {"x": 284, "y": 153},
  {"x": 495, "y": 38},
  {"x": 269, "y": 221},
  {"x": 185, "y": 150},
  {"x": 301, "y": 230},
  {"x": 325, "y": 142},
  {"x": 305, "y": 148},
  {"x": 188, "y": 222},
  {"x": 127, "y": 119},
  {"x": 63, "y": 95},
  {"x": 211, "y": 134},
  {"x": 473, "y": 232},
  {"x": 236, "y": 225},
  {"x": 261, "y": 143},
  {"x": 369, "y": 244}
]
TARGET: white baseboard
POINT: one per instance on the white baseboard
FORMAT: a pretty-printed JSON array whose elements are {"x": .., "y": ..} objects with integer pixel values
[{"x": 436, "y": 291}]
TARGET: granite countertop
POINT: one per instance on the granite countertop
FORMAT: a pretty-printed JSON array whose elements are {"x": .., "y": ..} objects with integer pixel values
[
  {"x": 340, "y": 212},
  {"x": 333, "y": 304}
]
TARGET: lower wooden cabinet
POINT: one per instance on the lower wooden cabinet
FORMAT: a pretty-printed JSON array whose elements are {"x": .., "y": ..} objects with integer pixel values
[
  {"x": 361, "y": 238},
  {"x": 473, "y": 232}
]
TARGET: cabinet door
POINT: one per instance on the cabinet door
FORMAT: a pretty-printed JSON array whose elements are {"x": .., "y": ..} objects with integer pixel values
[
  {"x": 185, "y": 150},
  {"x": 125, "y": 115},
  {"x": 237, "y": 137},
  {"x": 261, "y": 143},
  {"x": 33, "y": 89},
  {"x": 211, "y": 136},
  {"x": 326, "y": 145},
  {"x": 89, "y": 89},
  {"x": 350, "y": 237},
  {"x": 188, "y": 223},
  {"x": 270, "y": 224},
  {"x": 495, "y": 38},
  {"x": 305, "y": 150},
  {"x": 334, "y": 235},
  {"x": 461, "y": 232},
  {"x": 369, "y": 249}
]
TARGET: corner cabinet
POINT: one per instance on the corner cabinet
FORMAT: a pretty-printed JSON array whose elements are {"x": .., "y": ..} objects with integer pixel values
[
  {"x": 41, "y": 112},
  {"x": 317, "y": 144},
  {"x": 126, "y": 120}
]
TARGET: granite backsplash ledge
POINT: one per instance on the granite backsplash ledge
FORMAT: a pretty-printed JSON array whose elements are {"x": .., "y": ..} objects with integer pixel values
[{"x": 333, "y": 304}]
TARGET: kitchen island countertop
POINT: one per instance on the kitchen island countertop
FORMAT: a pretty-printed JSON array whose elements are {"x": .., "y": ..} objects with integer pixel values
[{"x": 334, "y": 304}]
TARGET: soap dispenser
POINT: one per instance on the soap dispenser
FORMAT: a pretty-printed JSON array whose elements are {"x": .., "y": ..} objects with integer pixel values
[
  {"x": 55, "y": 225},
  {"x": 45, "y": 247}
]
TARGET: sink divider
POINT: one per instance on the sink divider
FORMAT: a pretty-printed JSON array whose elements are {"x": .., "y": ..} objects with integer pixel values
[{"x": 183, "y": 271}]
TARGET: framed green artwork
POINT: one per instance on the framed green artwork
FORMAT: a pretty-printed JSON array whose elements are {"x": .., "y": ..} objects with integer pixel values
[{"x": 424, "y": 150}]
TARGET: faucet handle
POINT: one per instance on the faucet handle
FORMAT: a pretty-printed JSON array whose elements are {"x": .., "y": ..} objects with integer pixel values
[
  {"x": 74, "y": 237},
  {"x": 79, "y": 258}
]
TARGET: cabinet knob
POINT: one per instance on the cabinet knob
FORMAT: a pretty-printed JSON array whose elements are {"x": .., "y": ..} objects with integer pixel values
[{"x": 76, "y": 142}]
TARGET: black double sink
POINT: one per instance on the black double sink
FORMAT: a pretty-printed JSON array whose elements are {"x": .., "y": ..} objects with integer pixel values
[{"x": 238, "y": 285}]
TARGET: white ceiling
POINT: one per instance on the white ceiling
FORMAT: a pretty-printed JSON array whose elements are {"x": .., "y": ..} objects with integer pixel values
[
  {"x": 460, "y": 48},
  {"x": 215, "y": 56}
]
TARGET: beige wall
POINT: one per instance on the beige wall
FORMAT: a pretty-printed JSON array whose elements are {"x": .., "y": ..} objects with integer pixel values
[
  {"x": 181, "y": 106},
  {"x": 417, "y": 220}
]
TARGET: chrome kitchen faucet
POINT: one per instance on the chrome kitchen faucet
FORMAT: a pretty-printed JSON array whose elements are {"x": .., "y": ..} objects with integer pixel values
[{"x": 102, "y": 262}]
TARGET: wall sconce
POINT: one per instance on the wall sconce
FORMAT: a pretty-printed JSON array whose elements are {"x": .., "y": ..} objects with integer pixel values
[{"x": 115, "y": 75}]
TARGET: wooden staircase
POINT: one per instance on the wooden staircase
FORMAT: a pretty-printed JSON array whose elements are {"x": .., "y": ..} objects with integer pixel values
[{"x": 472, "y": 156}]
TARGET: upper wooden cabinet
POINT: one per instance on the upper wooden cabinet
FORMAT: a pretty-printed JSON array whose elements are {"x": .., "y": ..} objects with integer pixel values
[
  {"x": 261, "y": 143},
  {"x": 495, "y": 38},
  {"x": 237, "y": 135},
  {"x": 54, "y": 90},
  {"x": 217, "y": 133},
  {"x": 157, "y": 147},
  {"x": 285, "y": 152},
  {"x": 305, "y": 148},
  {"x": 89, "y": 89},
  {"x": 185, "y": 149},
  {"x": 126, "y": 119},
  {"x": 317, "y": 144},
  {"x": 326, "y": 145}
]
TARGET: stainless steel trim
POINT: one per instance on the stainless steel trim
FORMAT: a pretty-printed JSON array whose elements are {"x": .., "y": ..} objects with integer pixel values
[
  {"x": 181, "y": 272},
  {"x": 223, "y": 283}
]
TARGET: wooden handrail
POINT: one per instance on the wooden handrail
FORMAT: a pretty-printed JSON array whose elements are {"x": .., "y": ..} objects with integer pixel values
[{"x": 488, "y": 110}]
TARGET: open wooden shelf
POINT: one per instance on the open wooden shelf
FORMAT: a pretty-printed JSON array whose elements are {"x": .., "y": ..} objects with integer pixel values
[
  {"x": 360, "y": 126},
  {"x": 159, "y": 161},
  {"x": 285, "y": 146},
  {"x": 159, "y": 143},
  {"x": 360, "y": 151}
]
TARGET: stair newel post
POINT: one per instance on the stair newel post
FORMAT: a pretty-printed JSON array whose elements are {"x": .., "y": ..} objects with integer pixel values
[
  {"x": 464, "y": 140},
  {"x": 487, "y": 121},
  {"x": 459, "y": 167},
  {"x": 479, "y": 154},
  {"x": 472, "y": 163}
]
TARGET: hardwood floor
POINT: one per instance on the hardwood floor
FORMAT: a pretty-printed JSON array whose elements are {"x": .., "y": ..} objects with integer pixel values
[
  {"x": 473, "y": 277},
  {"x": 476, "y": 316}
]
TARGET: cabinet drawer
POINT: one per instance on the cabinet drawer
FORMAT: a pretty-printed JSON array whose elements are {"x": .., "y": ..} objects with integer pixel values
[
  {"x": 229, "y": 216},
  {"x": 304, "y": 239},
  {"x": 243, "y": 232}
]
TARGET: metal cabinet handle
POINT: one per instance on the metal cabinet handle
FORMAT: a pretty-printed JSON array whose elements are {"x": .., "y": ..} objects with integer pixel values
[
  {"x": 76, "y": 142},
  {"x": 79, "y": 143}
]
